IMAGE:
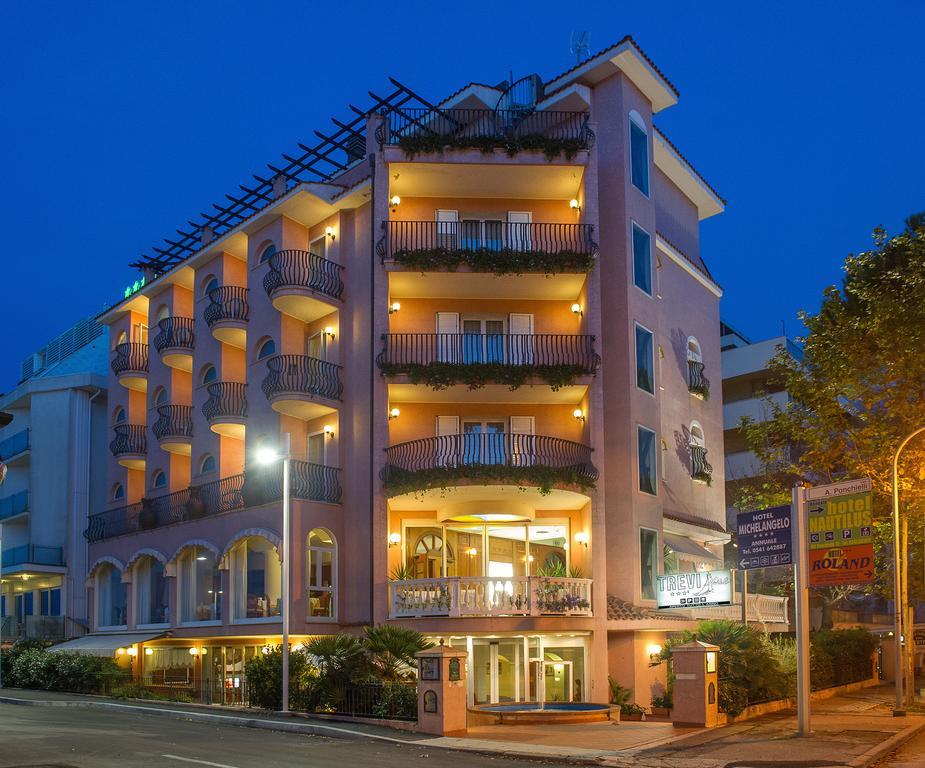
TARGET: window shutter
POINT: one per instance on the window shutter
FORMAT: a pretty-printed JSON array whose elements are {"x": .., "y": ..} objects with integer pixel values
[
  {"x": 448, "y": 337},
  {"x": 523, "y": 444},
  {"x": 520, "y": 326}
]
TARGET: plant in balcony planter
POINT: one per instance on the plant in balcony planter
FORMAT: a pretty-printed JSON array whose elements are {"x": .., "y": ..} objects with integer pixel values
[
  {"x": 424, "y": 143},
  {"x": 439, "y": 375},
  {"x": 195, "y": 506},
  {"x": 702, "y": 476},
  {"x": 399, "y": 481},
  {"x": 498, "y": 261},
  {"x": 700, "y": 390},
  {"x": 147, "y": 517}
]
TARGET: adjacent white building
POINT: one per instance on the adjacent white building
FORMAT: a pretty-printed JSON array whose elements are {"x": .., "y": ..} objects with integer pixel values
[{"x": 51, "y": 448}]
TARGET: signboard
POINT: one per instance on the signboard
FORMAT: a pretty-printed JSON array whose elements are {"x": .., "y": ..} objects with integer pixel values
[
  {"x": 685, "y": 590},
  {"x": 765, "y": 538},
  {"x": 840, "y": 532}
]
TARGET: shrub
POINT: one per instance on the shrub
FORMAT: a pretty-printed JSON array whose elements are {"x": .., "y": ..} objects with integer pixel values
[
  {"x": 35, "y": 667},
  {"x": 619, "y": 694},
  {"x": 265, "y": 679},
  {"x": 840, "y": 656},
  {"x": 631, "y": 709},
  {"x": 397, "y": 700},
  {"x": 662, "y": 702}
]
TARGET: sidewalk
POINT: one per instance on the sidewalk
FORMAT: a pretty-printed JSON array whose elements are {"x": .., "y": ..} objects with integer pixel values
[{"x": 853, "y": 729}]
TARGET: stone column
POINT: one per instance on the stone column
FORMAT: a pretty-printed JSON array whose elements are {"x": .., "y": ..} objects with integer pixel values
[
  {"x": 442, "y": 691},
  {"x": 696, "y": 685}
]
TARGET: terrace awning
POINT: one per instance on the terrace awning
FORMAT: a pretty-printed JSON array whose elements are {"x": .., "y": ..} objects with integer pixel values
[
  {"x": 105, "y": 644},
  {"x": 684, "y": 545}
]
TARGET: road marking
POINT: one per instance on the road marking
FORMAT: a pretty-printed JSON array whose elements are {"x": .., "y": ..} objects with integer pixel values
[{"x": 200, "y": 762}]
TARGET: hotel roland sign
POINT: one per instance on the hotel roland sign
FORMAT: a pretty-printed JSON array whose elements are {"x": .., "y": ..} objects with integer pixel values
[{"x": 685, "y": 590}]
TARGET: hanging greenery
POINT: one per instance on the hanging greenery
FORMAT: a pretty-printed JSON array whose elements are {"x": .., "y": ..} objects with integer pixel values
[
  {"x": 439, "y": 375},
  {"x": 498, "y": 261},
  {"x": 551, "y": 146},
  {"x": 398, "y": 481}
]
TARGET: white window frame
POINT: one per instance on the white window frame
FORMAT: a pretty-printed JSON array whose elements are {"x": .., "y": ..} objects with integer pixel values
[
  {"x": 637, "y": 324},
  {"x": 633, "y": 227},
  {"x": 235, "y": 563},
  {"x": 641, "y": 427},
  {"x": 324, "y": 457},
  {"x": 309, "y": 587},
  {"x": 96, "y": 599},
  {"x": 323, "y": 239},
  {"x": 181, "y": 585},
  {"x": 137, "y": 586}
]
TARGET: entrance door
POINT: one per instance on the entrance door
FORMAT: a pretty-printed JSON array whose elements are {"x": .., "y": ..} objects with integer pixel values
[
  {"x": 498, "y": 671},
  {"x": 315, "y": 346},
  {"x": 317, "y": 447}
]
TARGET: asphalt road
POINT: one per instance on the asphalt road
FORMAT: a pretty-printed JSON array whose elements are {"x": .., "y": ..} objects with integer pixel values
[
  {"x": 910, "y": 755},
  {"x": 58, "y": 737}
]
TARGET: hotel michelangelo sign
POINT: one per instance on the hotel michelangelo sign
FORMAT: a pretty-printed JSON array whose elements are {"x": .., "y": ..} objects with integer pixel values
[{"x": 684, "y": 590}]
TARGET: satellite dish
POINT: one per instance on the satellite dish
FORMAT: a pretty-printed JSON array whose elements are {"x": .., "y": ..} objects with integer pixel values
[{"x": 579, "y": 44}]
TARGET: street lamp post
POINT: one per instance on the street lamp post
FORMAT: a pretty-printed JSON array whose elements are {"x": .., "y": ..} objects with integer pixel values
[
  {"x": 898, "y": 558},
  {"x": 267, "y": 455}
]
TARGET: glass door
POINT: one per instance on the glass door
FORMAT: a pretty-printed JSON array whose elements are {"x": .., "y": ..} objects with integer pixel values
[
  {"x": 498, "y": 672},
  {"x": 557, "y": 680},
  {"x": 483, "y": 442},
  {"x": 483, "y": 340}
]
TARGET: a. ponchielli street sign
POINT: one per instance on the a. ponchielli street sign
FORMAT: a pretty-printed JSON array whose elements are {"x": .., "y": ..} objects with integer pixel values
[
  {"x": 840, "y": 532},
  {"x": 684, "y": 590},
  {"x": 765, "y": 538}
]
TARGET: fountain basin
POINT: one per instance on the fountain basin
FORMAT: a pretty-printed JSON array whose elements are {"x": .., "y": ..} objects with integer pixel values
[{"x": 550, "y": 712}]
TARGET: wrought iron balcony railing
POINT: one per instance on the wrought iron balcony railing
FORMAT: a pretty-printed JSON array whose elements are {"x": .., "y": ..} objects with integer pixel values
[
  {"x": 312, "y": 482},
  {"x": 227, "y": 303},
  {"x": 130, "y": 357},
  {"x": 420, "y": 130},
  {"x": 490, "y": 246},
  {"x": 305, "y": 270},
  {"x": 562, "y": 356},
  {"x": 701, "y": 469},
  {"x": 504, "y": 457},
  {"x": 173, "y": 421},
  {"x": 301, "y": 375},
  {"x": 14, "y": 504},
  {"x": 227, "y": 400},
  {"x": 14, "y": 445},
  {"x": 129, "y": 439},
  {"x": 697, "y": 383},
  {"x": 174, "y": 333}
]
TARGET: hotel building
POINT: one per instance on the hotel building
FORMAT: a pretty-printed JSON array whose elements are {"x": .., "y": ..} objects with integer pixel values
[{"x": 486, "y": 328}]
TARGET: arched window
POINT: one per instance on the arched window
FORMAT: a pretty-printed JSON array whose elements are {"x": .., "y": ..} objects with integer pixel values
[
  {"x": 159, "y": 480},
  {"x": 265, "y": 348},
  {"x": 639, "y": 153},
  {"x": 159, "y": 397},
  {"x": 208, "y": 285},
  {"x": 321, "y": 562},
  {"x": 123, "y": 338},
  {"x": 693, "y": 350},
  {"x": 118, "y": 415},
  {"x": 163, "y": 312},
  {"x": 267, "y": 253},
  {"x": 256, "y": 579},
  {"x": 200, "y": 585},
  {"x": 701, "y": 470},
  {"x": 110, "y": 597},
  {"x": 207, "y": 465},
  {"x": 696, "y": 437},
  {"x": 118, "y": 492},
  {"x": 209, "y": 374},
  {"x": 151, "y": 601}
]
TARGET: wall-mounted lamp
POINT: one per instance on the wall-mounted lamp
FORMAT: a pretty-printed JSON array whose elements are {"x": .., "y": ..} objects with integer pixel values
[
  {"x": 149, "y": 651},
  {"x": 395, "y": 201},
  {"x": 653, "y": 649},
  {"x": 579, "y": 414},
  {"x": 574, "y": 204},
  {"x": 328, "y": 430},
  {"x": 394, "y": 539},
  {"x": 120, "y": 651},
  {"x": 472, "y": 551},
  {"x": 582, "y": 538},
  {"x": 132, "y": 651},
  {"x": 194, "y": 651},
  {"x": 394, "y": 413},
  {"x": 576, "y": 309},
  {"x": 329, "y": 231},
  {"x": 329, "y": 331},
  {"x": 394, "y": 307}
]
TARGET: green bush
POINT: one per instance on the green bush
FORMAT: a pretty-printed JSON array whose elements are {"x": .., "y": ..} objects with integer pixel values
[
  {"x": 265, "y": 679},
  {"x": 397, "y": 701},
  {"x": 840, "y": 656},
  {"x": 34, "y": 667},
  {"x": 618, "y": 694}
]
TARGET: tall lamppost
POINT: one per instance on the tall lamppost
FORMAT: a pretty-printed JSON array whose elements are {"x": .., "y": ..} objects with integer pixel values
[
  {"x": 897, "y": 582},
  {"x": 267, "y": 455}
]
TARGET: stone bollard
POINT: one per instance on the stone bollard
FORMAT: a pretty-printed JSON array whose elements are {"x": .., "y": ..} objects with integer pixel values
[
  {"x": 696, "y": 685},
  {"x": 442, "y": 691}
]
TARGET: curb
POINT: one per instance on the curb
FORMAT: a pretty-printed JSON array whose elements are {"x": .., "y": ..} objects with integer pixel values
[{"x": 873, "y": 754}]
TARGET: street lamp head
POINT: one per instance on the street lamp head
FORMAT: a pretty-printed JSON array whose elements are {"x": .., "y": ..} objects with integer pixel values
[{"x": 266, "y": 455}]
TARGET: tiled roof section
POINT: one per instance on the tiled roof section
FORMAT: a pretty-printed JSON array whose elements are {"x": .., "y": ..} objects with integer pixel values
[
  {"x": 467, "y": 85},
  {"x": 627, "y": 39},
  {"x": 689, "y": 164},
  {"x": 620, "y": 610},
  {"x": 699, "y": 264},
  {"x": 702, "y": 522}
]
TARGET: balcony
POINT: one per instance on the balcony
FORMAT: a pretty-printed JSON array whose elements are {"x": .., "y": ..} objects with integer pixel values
[
  {"x": 14, "y": 505},
  {"x": 763, "y": 609},
  {"x": 499, "y": 458},
  {"x": 701, "y": 469},
  {"x": 174, "y": 428},
  {"x": 15, "y": 449},
  {"x": 483, "y": 596},
  {"x": 302, "y": 386},
  {"x": 440, "y": 360},
  {"x": 130, "y": 365},
  {"x": 311, "y": 482},
  {"x": 303, "y": 285},
  {"x": 227, "y": 314},
  {"x": 422, "y": 131},
  {"x": 697, "y": 383},
  {"x": 174, "y": 341},
  {"x": 130, "y": 445},
  {"x": 478, "y": 253},
  {"x": 31, "y": 554},
  {"x": 226, "y": 408}
]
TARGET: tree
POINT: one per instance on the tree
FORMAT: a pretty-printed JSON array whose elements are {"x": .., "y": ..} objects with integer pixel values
[
  {"x": 391, "y": 651},
  {"x": 860, "y": 387}
]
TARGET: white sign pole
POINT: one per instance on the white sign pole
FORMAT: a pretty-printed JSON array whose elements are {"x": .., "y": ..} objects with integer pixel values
[{"x": 801, "y": 595}]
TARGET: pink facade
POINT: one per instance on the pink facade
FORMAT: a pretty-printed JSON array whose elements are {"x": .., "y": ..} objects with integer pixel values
[{"x": 505, "y": 517}]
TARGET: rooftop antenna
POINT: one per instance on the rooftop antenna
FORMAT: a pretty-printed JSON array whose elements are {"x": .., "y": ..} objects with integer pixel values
[{"x": 579, "y": 45}]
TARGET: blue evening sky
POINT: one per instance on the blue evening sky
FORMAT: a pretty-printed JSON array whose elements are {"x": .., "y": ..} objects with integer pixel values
[{"x": 120, "y": 121}]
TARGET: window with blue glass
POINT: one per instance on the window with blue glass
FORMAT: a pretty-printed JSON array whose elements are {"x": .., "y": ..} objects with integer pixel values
[
  {"x": 645, "y": 360},
  {"x": 639, "y": 155},
  {"x": 642, "y": 260},
  {"x": 25, "y": 604},
  {"x": 645, "y": 441},
  {"x": 50, "y": 602},
  {"x": 267, "y": 253}
]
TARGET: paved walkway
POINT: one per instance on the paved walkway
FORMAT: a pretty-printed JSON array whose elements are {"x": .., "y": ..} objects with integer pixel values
[{"x": 854, "y": 729}]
